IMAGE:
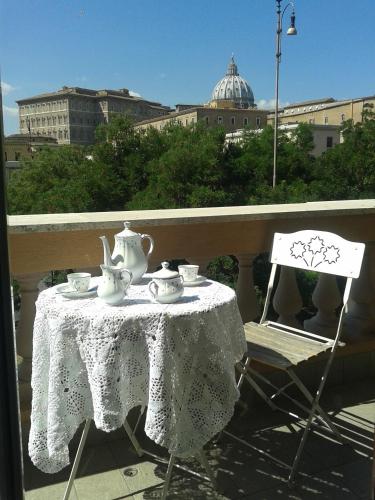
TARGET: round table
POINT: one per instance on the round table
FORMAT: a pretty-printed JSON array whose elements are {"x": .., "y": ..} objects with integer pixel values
[{"x": 95, "y": 361}]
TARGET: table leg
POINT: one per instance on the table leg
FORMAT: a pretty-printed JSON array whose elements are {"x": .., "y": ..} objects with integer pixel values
[
  {"x": 77, "y": 460},
  {"x": 172, "y": 459},
  {"x": 203, "y": 460},
  {"x": 133, "y": 439}
]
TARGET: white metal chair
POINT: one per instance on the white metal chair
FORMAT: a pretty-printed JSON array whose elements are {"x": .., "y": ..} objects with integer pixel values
[{"x": 283, "y": 347}]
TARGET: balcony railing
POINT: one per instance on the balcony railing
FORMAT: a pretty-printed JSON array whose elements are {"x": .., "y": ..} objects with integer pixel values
[{"x": 41, "y": 243}]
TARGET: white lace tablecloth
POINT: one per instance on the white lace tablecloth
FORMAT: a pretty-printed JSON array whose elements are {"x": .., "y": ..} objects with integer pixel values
[{"x": 91, "y": 360}]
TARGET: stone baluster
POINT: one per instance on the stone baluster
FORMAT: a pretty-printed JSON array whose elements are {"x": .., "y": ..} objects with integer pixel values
[
  {"x": 29, "y": 291},
  {"x": 287, "y": 300},
  {"x": 246, "y": 296},
  {"x": 360, "y": 317},
  {"x": 326, "y": 298}
]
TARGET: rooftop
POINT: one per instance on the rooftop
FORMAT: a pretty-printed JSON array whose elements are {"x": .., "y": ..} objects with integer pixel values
[{"x": 95, "y": 94}]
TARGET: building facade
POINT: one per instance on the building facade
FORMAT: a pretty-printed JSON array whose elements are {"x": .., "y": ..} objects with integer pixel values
[
  {"x": 18, "y": 146},
  {"x": 72, "y": 114},
  {"x": 231, "y": 106},
  {"x": 327, "y": 111},
  {"x": 325, "y": 137},
  {"x": 229, "y": 119}
]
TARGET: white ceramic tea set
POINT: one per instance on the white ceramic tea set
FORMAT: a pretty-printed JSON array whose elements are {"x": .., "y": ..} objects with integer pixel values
[{"x": 126, "y": 266}]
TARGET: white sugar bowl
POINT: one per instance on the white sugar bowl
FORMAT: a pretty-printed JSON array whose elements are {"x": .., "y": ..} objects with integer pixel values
[{"x": 166, "y": 286}]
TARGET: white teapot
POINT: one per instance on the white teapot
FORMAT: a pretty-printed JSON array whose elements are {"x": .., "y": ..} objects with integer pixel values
[
  {"x": 128, "y": 252},
  {"x": 166, "y": 285},
  {"x": 113, "y": 284}
]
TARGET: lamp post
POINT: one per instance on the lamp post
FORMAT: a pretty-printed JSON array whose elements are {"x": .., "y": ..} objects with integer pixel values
[{"x": 291, "y": 31}]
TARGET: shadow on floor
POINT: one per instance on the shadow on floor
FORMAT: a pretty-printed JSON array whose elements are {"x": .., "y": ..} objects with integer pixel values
[{"x": 111, "y": 470}]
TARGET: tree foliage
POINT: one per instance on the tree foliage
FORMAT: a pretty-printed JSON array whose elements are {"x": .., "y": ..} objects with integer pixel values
[{"x": 193, "y": 166}]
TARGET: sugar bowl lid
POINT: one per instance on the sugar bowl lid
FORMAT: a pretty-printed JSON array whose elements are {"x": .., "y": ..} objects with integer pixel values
[{"x": 164, "y": 272}]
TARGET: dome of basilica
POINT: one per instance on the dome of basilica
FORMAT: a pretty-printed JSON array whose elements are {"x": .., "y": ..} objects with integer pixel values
[{"x": 234, "y": 88}]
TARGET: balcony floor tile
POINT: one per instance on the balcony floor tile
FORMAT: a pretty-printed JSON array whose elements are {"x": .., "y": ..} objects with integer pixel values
[{"x": 111, "y": 470}]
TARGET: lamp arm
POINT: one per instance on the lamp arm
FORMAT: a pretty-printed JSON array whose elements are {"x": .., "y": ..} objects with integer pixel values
[{"x": 289, "y": 4}]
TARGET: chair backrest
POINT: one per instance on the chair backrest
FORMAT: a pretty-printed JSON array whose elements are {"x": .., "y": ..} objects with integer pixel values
[{"x": 318, "y": 251}]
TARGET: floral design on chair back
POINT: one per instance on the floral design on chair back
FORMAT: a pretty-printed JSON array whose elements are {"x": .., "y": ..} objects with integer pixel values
[{"x": 315, "y": 251}]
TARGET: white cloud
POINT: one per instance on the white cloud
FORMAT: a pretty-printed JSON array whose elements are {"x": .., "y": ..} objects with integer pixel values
[
  {"x": 7, "y": 88},
  {"x": 134, "y": 94},
  {"x": 8, "y": 111},
  {"x": 270, "y": 104}
]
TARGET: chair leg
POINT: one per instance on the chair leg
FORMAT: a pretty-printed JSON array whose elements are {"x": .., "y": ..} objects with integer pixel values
[
  {"x": 324, "y": 416},
  {"x": 242, "y": 368},
  {"x": 261, "y": 393},
  {"x": 164, "y": 494},
  {"x": 77, "y": 460},
  {"x": 301, "y": 445}
]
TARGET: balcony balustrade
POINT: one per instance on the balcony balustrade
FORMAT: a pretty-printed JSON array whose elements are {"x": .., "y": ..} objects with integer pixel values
[{"x": 41, "y": 243}]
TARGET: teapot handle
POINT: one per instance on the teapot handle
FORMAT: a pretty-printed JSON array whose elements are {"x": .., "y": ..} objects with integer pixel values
[
  {"x": 151, "y": 239},
  {"x": 153, "y": 293}
]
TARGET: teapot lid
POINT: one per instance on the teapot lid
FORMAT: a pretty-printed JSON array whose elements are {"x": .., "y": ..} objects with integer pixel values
[
  {"x": 164, "y": 272},
  {"x": 127, "y": 232}
]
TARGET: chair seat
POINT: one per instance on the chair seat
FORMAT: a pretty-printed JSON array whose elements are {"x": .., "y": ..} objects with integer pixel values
[{"x": 278, "y": 348}]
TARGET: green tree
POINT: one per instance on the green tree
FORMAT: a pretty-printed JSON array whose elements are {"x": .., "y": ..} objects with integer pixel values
[
  {"x": 347, "y": 171},
  {"x": 186, "y": 172},
  {"x": 57, "y": 180}
]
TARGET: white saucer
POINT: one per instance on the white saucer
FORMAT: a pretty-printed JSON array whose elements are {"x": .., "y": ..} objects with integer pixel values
[
  {"x": 198, "y": 281},
  {"x": 66, "y": 291}
]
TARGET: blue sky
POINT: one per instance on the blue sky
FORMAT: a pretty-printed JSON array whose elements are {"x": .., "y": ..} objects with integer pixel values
[{"x": 174, "y": 51}]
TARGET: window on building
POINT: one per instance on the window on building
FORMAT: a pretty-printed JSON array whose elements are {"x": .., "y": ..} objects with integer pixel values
[
  {"x": 54, "y": 120},
  {"x": 329, "y": 142},
  {"x": 6, "y": 156},
  {"x": 65, "y": 134},
  {"x": 312, "y": 121},
  {"x": 233, "y": 120},
  {"x": 60, "y": 134},
  {"x": 257, "y": 121},
  {"x": 17, "y": 155},
  {"x": 219, "y": 120},
  {"x": 343, "y": 117},
  {"x": 326, "y": 120},
  {"x": 65, "y": 118},
  {"x": 245, "y": 121}
]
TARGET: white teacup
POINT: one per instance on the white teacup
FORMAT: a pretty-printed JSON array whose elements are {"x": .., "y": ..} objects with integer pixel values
[
  {"x": 188, "y": 271},
  {"x": 79, "y": 282}
]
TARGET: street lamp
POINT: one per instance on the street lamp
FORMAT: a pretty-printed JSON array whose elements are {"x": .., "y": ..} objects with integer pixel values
[{"x": 291, "y": 31}]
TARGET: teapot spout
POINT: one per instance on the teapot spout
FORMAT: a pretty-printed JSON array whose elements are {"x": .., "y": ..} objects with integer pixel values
[{"x": 106, "y": 251}]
